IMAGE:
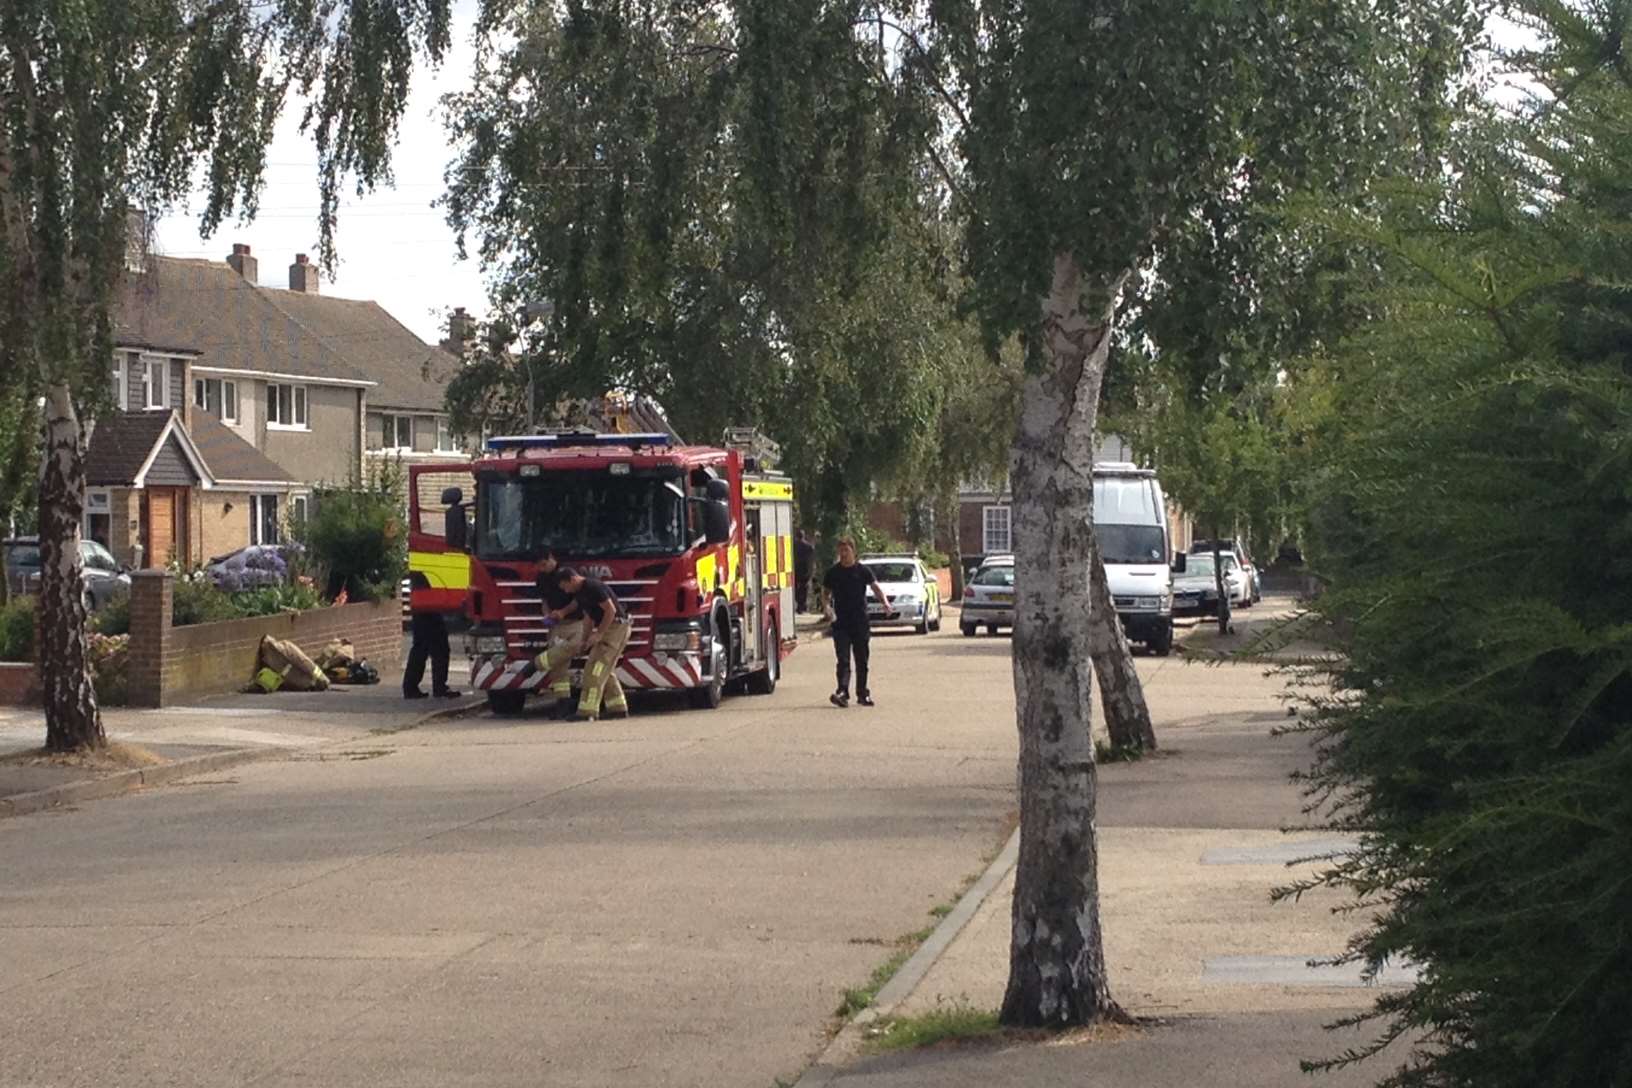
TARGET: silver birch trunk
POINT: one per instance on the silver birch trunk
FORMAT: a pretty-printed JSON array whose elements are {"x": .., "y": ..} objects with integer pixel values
[
  {"x": 1121, "y": 694},
  {"x": 72, "y": 720},
  {"x": 1057, "y": 973}
]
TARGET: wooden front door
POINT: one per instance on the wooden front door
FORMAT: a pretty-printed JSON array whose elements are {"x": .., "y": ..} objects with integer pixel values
[{"x": 164, "y": 524}]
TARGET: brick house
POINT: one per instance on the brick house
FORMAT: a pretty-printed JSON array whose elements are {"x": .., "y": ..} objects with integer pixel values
[{"x": 236, "y": 402}]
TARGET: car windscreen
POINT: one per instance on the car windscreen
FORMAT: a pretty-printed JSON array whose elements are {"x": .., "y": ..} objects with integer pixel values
[
  {"x": 579, "y": 515},
  {"x": 894, "y": 572},
  {"x": 994, "y": 576},
  {"x": 1132, "y": 543},
  {"x": 23, "y": 556}
]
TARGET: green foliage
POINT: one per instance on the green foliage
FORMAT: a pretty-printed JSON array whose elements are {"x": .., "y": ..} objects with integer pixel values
[
  {"x": 271, "y": 600},
  {"x": 17, "y": 630},
  {"x": 113, "y": 618},
  {"x": 1471, "y": 511},
  {"x": 944, "y": 1023},
  {"x": 195, "y": 599},
  {"x": 357, "y": 539},
  {"x": 110, "y": 667}
]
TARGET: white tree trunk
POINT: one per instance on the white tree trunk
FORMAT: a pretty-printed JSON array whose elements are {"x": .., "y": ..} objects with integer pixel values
[
  {"x": 1127, "y": 717},
  {"x": 72, "y": 720},
  {"x": 1056, "y": 956}
]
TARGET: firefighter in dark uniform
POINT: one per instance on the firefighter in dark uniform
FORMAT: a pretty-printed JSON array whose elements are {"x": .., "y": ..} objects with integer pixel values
[{"x": 429, "y": 629}]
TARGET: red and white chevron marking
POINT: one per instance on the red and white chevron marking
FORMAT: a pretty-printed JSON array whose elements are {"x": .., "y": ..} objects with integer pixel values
[{"x": 663, "y": 671}]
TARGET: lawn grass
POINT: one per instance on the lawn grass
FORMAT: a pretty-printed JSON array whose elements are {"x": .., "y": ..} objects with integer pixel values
[{"x": 945, "y": 1023}]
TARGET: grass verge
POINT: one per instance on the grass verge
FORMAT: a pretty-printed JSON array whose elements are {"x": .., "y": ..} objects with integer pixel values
[{"x": 946, "y": 1023}]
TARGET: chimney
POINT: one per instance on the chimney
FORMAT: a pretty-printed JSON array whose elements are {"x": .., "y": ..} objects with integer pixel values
[
  {"x": 461, "y": 331},
  {"x": 242, "y": 263},
  {"x": 303, "y": 275}
]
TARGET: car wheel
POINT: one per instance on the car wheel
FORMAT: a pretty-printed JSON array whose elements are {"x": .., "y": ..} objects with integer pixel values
[
  {"x": 935, "y": 624},
  {"x": 764, "y": 681},
  {"x": 991, "y": 629},
  {"x": 90, "y": 602},
  {"x": 1162, "y": 644},
  {"x": 922, "y": 627},
  {"x": 710, "y": 695},
  {"x": 968, "y": 629}
]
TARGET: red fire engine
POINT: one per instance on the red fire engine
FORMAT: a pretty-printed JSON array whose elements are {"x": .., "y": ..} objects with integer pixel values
[{"x": 696, "y": 541}]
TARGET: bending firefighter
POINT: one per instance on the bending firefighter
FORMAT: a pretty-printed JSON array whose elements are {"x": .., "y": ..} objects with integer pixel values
[
  {"x": 566, "y": 636},
  {"x": 608, "y": 633}
]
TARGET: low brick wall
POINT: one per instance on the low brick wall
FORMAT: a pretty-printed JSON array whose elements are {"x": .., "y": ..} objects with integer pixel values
[
  {"x": 170, "y": 663},
  {"x": 19, "y": 683}
]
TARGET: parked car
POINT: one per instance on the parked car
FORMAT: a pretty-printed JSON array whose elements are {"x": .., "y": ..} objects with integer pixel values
[
  {"x": 251, "y": 567},
  {"x": 912, "y": 589},
  {"x": 1130, "y": 521},
  {"x": 988, "y": 599},
  {"x": 100, "y": 573},
  {"x": 1254, "y": 580},
  {"x": 1236, "y": 584}
]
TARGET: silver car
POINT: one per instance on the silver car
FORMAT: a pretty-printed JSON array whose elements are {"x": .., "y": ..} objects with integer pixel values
[
  {"x": 100, "y": 574},
  {"x": 988, "y": 599}
]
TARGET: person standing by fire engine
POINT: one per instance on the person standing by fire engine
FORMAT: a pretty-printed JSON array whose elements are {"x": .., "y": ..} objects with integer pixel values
[
  {"x": 566, "y": 635},
  {"x": 430, "y": 629},
  {"x": 804, "y": 569},
  {"x": 603, "y": 644},
  {"x": 845, "y": 587}
]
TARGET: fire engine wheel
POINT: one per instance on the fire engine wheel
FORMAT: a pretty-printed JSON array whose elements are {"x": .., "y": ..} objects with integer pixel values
[
  {"x": 764, "y": 681},
  {"x": 507, "y": 704},
  {"x": 708, "y": 696}
]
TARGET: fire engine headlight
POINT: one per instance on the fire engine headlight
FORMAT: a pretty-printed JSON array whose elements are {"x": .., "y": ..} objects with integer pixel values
[{"x": 678, "y": 641}]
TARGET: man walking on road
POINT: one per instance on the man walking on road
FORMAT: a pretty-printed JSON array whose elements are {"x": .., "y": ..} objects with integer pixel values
[
  {"x": 804, "y": 569},
  {"x": 608, "y": 634},
  {"x": 566, "y": 636},
  {"x": 845, "y": 587}
]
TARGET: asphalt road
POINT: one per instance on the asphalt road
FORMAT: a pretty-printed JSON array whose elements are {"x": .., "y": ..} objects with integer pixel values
[{"x": 679, "y": 899}]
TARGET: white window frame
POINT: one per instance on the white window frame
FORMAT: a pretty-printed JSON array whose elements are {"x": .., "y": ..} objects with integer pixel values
[
  {"x": 299, "y": 407},
  {"x": 991, "y": 532},
  {"x": 391, "y": 436},
  {"x": 257, "y": 503},
  {"x": 228, "y": 396},
  {"x": 121, "y": 393},
  {"x": 445, "y": 440},
  {"x": 300, "y": 508},
  {"x": 150, "y": 364},
  {"x": 98, "y": 501}
]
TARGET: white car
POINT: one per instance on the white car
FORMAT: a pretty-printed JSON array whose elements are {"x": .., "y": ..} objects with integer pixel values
[{"x": 914, "y": 593}]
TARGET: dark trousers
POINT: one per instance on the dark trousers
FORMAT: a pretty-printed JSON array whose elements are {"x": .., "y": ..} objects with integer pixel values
[
  {"x": 848, "y": 642},
  {"x": 801, "y": 592},
  {"x": 430, "y": 640}
]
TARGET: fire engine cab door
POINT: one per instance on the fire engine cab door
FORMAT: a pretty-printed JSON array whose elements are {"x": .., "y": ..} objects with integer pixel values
[{"x": 753, "y": 636}]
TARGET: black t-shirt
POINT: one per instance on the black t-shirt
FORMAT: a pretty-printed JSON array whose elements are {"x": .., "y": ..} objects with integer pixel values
[
  {"x": 554, "y": 597},
  {"x": 591, "y": 594},
  {"x": 454, "y": 527},
  {"x": 849, "y": 587},
  {"x": 804, "y": 559}
]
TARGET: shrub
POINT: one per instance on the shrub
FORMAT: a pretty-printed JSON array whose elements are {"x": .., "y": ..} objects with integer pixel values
[
  {"x": 197, "y": 600},
  {"x": 110, "y": 668},
  {"x": 933, "y": 559},
  {"x": 356, "y": 538},
  {"x": 17, "y": 630},
  {"x": 114, "y": 617},
  {"x": 270, "y": 600}
]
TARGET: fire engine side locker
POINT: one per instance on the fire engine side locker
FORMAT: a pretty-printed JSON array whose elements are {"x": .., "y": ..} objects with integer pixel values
[{"x": 771, "y": 496}]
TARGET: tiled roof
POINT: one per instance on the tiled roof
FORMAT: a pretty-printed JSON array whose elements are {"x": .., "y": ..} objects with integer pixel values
[
  {"x": 208, "y": 308},
  {"x": 230, "y": 457},
  {"x": 120, "y": 445}
]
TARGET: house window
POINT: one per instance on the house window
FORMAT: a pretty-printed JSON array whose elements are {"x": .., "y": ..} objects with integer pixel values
[
  {"x": 445, "y": 442},
  {"x": 119, "y": 397},
  {"x": 99, "y": 517},
  {"x": 995, "y": 534},
  {"x": 218, "y": 396},
  {"x": 263, "y": 519},
  {"x": 299, "y": 507},
  {"x": 396, "y": 432},
  {"x": 286, "y": 407},
  {"x": 156, "y": 383}
]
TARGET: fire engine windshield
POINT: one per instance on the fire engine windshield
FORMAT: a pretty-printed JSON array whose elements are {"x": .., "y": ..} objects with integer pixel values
[{"x": 579, "y": 515}]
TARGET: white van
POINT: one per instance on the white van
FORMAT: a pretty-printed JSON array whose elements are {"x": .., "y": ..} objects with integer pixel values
[{"x": 1130, "y": 520}]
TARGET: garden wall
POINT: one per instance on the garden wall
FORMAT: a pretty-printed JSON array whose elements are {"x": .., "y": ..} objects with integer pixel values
[
  {"x": 19, "y": 683},
  {"x": 171, "y": 663}
]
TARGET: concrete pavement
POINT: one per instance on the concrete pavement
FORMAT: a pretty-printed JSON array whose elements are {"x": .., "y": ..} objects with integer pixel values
[
  {"x": 678, "y": 899},
  {"x": 1190, "y": 849}
]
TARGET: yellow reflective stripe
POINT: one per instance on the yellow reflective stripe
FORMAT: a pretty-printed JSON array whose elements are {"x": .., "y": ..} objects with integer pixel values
[
  {"x": 705, "y": 572},
  {"x": 787, "y": 553},
  {"x": 733, "y": 561},
  {"x": 767, "y": 490},
  {"x": 442, "y": 570}
]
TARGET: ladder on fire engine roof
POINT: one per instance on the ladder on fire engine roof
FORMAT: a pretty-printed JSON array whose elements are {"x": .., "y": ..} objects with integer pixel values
[{"x": 751, "y": 443}]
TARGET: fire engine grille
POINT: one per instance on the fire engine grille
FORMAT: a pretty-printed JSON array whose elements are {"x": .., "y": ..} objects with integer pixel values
[{"x": 525, "y": 630}]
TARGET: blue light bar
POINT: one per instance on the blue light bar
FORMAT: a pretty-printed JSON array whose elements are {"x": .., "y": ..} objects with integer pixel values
[{"x": 564, "y": 441}]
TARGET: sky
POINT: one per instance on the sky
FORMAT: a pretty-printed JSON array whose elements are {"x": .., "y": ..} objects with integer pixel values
[{"x": 395, "y": 247}]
